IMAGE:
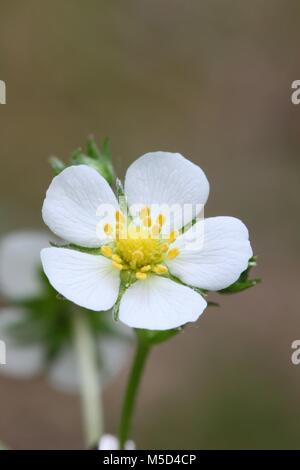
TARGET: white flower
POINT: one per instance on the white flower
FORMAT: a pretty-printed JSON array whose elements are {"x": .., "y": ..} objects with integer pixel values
[
  {"x": 110, "y": 442},
  {"x": 20, "y": 262},
  {"x": 20, "y": 280},
  {"x": 149, "y": 252}
]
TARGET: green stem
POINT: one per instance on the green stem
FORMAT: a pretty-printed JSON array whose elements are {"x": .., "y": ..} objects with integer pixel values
[
  {"x": 89, "y": 383},
  {"x": 142, "y": 351}
]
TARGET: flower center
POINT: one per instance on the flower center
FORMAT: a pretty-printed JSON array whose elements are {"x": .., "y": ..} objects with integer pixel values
[{"x": 139, "y": 248}]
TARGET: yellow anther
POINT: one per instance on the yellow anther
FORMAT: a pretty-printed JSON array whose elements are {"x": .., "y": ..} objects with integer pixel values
[
  {"x": 119, "y": 266},
  {"x": 119, "y": 216},
  {"x": 172, "y": 236},
  {"x": 160, "y": 269},
  {"x": 106, "y": 251},
  {"x": 107, "y": 229},
  {"x": 145, "y": 269},
  {"x": 145, "y": 212},
  {"x": 141, "y": 276},
  {"x": 160, "y": 220},
  {"x": 164, "y": 247},
  {"x": 117, "y": 259},
  {"x": 173, "y": 253}
]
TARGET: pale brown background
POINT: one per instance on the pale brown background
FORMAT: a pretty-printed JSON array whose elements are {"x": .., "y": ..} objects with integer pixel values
[{"x": 210, "y": 79}]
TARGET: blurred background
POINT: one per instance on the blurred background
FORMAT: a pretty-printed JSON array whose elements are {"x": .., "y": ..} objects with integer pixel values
[{"x": 210, "y": 79}]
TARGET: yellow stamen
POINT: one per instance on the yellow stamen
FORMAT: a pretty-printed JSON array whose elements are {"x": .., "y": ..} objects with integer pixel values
[
  {"x": 145, "y": 269},
  {"x": 119, "y": 226},
  {"x": 160, "y": 269},
  {"x": 172, "y": 236},
  {"x": 145, "y": 212},
  {"x": 107, "y": 229},
  {"x": 165, "y": 247},
  {"x": 106, "y": 251},
  {"x": 117, "y": 259},
  {"x": 141, "y": 276},
  {"x": 120, "y": 232},
  {"x": 155, "y": 231},
  {"x": 119, "y": 266},
  {"x": 173, "y": 253},
  {"x": 160, "y": 219},
  {"x": 119, "y": 216},
  {"x": 147, "y": 221}
]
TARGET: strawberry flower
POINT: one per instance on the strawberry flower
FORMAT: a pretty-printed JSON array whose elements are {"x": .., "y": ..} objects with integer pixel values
[{"x": 149, "y": 256}]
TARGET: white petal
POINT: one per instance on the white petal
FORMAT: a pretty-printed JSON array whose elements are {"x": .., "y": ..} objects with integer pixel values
[
  {"x": 216, "y": 258},
  {"x": 87, "y": 280},
  {"x": 78, "y": 203},
  {"x": 110, "y": 442},
  {"x": 21, "y": 361},
  {"x": 158, "y": 303},
  {"x": 20, "y": 263},
  {"x": 170, "y": 180}
]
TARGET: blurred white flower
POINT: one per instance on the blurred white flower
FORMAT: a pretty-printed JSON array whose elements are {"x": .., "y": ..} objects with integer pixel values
[
  {"x": 20, "y": 280},
  {"x": 20, "y": 262},
  {"x": 148, "y": 253},
  {"x": 110, "y": 442},
  {"x": 22, "y": 362}
]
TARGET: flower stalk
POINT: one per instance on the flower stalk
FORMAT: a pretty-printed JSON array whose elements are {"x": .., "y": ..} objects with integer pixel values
[
  {"x": 143, "y": 348},
  {"x": 89, "y": 383}
]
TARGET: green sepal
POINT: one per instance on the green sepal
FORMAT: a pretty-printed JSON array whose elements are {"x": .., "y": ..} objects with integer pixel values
[
  {"x": 153, "y": 337},
  {"x": 93, "y": 150},
  {"x": 210, "y": 303},
  {"x": 102, "y": 155},
  {"x": 57, "y": 165},
  {"x": 72, "y": 246},
  {"x": 243, "y": 282},
  {"x": 99, "y": 159},
  {"x": 79, "y": 158},
  {"x": 240, "y": 286}
]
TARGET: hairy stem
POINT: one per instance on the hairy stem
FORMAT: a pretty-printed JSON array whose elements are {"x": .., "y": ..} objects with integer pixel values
[{"x": 142, "y": 351}]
